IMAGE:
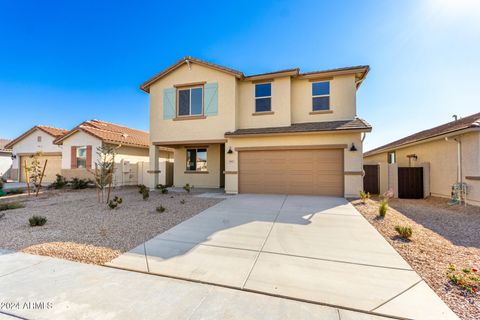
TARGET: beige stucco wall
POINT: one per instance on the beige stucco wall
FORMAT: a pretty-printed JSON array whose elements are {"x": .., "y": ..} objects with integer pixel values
[
  {"x": 161, "y": 167},
  {"x": 213, "y": 127},
  {"x": 211, "y": 179},
  {"x": 124, "y": 153},
  {"x": 78, "y": 139},
  {"x": 342, "y": 100},
  {"x": 29, "y": 145},
  {"x": 291, "y": 103},
  {"x": 442, "y": 157},
  {"x": 352, "y": 160},
  {"x": 281, "y": 99}
]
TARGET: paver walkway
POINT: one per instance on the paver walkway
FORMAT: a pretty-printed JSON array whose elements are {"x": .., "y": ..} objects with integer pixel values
[{"x": 315, "y": 249}]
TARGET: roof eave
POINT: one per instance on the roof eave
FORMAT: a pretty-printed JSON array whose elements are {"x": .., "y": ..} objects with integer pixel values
[
  {"x": 272, "y": 75},
  {"x": 24, "y": 135},
  {"x": 420, "y": 141},
  {"x": 247, "y": 135},
  {"x": 147, "y": 84}
]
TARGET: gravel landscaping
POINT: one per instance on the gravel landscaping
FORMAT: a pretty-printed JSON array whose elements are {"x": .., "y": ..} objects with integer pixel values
[
  {"x": 80, "y": 229},
  {"x": 441, "y": 235}
]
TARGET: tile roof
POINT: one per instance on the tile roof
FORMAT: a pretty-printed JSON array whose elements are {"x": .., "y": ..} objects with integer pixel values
[
  {"x": 362, "y": 70},
  {"x": 3, "y": 143},
  {"x": 110, "y": 133},
  {"x": 54, "y": 132},
  {"x": 344, "y": 125},
  {"x": 472, "y": 121}
]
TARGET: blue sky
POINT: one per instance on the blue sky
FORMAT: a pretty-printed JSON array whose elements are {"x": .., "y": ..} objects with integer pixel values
[{"x": 65, "y": 62}]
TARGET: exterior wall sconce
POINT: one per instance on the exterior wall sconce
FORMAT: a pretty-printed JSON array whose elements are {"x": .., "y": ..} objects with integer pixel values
[
  {"x": 353, "y": 148},
  {"x": 230, "y": 151},
  {"x": 410, "y": 158},
  {"x": 13, "y": 156},
  {"x": 413, "y": 157}
]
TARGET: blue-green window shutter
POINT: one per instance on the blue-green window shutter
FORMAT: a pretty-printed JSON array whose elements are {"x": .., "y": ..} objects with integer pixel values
[
  {"x": 211, "y": 99},
  {"x": 169, "y": 109}
]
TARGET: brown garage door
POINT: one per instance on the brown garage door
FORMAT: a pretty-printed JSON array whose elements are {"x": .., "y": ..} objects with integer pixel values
[
  {"x": 309, "y": 172},
  {"x": 54, "y": 166}
]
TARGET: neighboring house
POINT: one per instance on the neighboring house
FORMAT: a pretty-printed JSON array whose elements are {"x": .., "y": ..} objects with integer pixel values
[
  {"x": 37, "y": 139},
  {"x": 5, "y": 159},
  {"x": 283, "y": 132},
  {"x": 80, "y": 146},
  {"x": 450, "y": 153}
]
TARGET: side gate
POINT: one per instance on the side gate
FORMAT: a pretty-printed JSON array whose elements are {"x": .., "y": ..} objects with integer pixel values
[
  {"x": 410, "y": 183},
  {"x": 371, "y": 180}
]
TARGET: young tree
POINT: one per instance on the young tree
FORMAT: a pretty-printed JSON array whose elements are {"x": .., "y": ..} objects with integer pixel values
[
  {"x": 36, "y": 171},
  {"x": 104, "y": 168}
]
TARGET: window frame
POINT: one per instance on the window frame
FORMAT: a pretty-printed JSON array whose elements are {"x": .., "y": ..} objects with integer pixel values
[
  {"x": 189, "y": 88},
  {"x": 187, "y": 170},
  {"x": 323, "y": 95},
  {"x": 389, "y": 159},
  {"x": 263, "y": 97},
  {"x": 77, "y": 157}
]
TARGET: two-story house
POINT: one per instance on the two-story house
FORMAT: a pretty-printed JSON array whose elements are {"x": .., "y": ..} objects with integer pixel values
[{"x": 283, "y": 132}]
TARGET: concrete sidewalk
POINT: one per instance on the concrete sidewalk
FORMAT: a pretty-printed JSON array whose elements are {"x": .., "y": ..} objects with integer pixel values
[
  {"x": 315, "y": 249},
  {"x": 47, "y": 288}
]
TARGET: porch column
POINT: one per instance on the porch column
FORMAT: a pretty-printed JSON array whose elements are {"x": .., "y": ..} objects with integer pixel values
[{"x": 154, "y": 166}]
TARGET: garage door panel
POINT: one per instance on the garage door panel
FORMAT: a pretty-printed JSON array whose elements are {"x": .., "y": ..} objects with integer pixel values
[
  {"x": 53, "y": 168},
  {"x": 311, "y": 172}
]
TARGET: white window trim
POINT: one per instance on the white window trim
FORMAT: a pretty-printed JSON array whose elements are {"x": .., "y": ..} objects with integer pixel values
[
  {"x": 264, "y": 97},
  {"x": 322, "y": 95},
  {"x": 190, "y": 101}
]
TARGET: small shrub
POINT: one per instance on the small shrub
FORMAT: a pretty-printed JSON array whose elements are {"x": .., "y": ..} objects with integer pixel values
[
  {"x": 160, "y": 209},
  {"x": 141, "y": 188},
  {"x": 15, "y": 191},
  {"x": 187, "y": 188},
  {"x": 79, "y": 183},
  {"x": 112, "y": 204},
  {"x": 468, "y": 279},
  {"x": 364, "y": 196},
  {"x": 1, "y": 184},
  {"x": 145, "y": 194},
  {"x": 182, "y": 201},
  {"x": 387, "y": 194},
  {"x": 59, "y": 182},
  {"x": 404, "y": 231},
  {"x": 37, "y": 221},
  {"x": 163, "y": 188},
  {"x": 2, "y": 215},
  {"x": 11, "y": 205},
  {"x": 383, "y": 208}
]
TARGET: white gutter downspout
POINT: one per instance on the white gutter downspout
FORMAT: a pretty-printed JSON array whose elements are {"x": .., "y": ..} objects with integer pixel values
[
  {"x": 364, "y": 136},
  {"x": 459, "y": 159}
]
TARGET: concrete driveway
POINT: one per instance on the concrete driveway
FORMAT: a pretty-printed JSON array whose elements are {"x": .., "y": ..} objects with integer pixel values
[{"x": 315, "y": 249}]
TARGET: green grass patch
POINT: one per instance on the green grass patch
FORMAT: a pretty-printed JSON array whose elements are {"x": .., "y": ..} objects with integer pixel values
[{"x": 11, "y": 205}]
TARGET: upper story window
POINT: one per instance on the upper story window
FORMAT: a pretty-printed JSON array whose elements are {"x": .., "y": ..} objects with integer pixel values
[
  {"x": 263, "y": 97},
  {"x": 391, "y": 157},
  {"x": 82, "y": 157},
  {"x": 190, "y": 101},
  {"x": 197, "y": 160},
  {"x": 39, "y": 139},
  {"x": 321, "y": 96}
]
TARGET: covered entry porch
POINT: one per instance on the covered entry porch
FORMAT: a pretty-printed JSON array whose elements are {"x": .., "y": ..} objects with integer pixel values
[{"x": 199, "y": 163}]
